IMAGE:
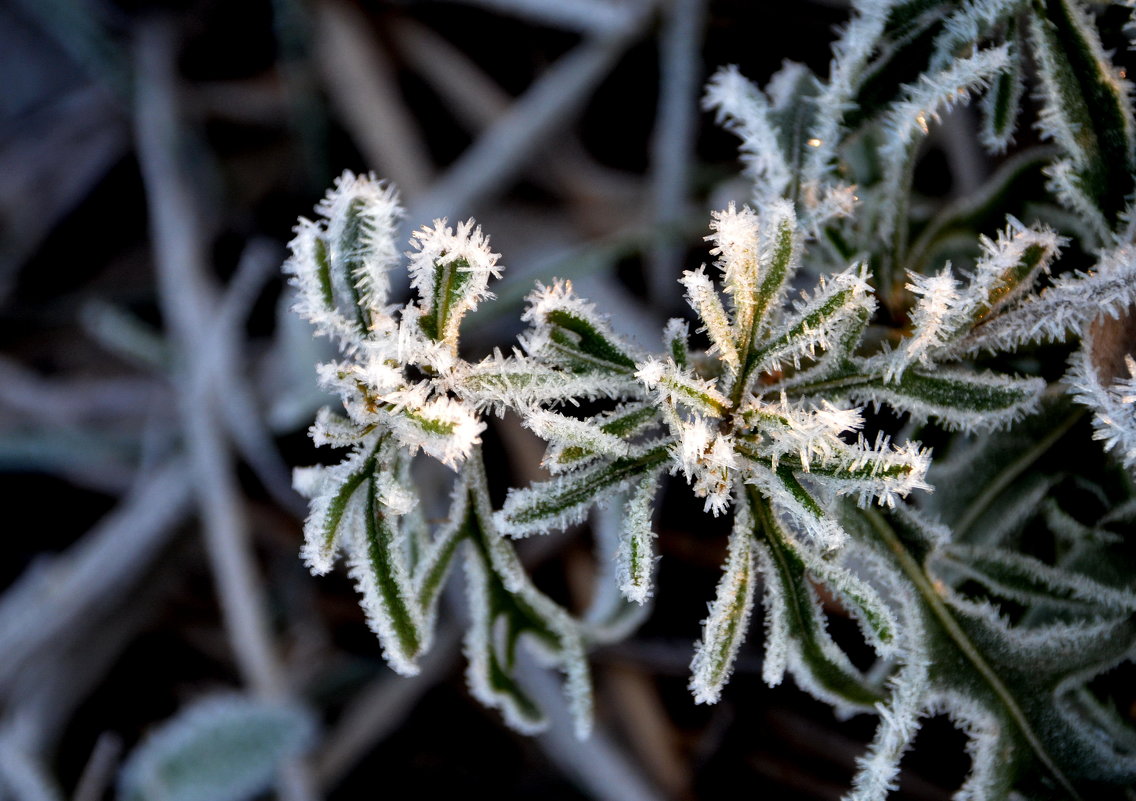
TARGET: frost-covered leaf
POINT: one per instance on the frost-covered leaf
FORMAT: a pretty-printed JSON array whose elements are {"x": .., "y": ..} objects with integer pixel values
[
  {"x": 339, "y": 264},
  {"x": 635, "y": 558},
  {"x": 1001, "y": 682},
  {"x": 946, "y": 309},
  {"x": 909, "y": 120},
  {"x": 505, "y": 606},
  {"x": 956, "y": 399},
  {"x": 1086, "y": 111},
  {"x": 1113, "y": 402},
  {"x": 568, "y": 332},
  {"x": 703, "y": 298},
  {"x": 676, "y": 386},
  {"x": 226, "y": 748},
  {"x": 519, "y": 382},
  {"x": 1072, "y": 302},
  {"x": 377, "y": 563},
  {"x": 565, "y": 500},
  {"x": 450, "y": 269},
  {"x": 620, "y": 425},
  {"x": 1001, "y": 106},
  {"x": 797, "y": 639},
  {"x": 330, "y": 490},
  {"x": 725, "y": 628},
  {"x": 1017, "y": 577},
  {"x": 819, "y": 322}
]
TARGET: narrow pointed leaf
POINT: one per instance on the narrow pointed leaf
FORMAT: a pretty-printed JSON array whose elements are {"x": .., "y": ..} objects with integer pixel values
[
  {"x": 635, "y": 558},
  {"x": 817, "y": 663},
  {"x": 565, "y": 500},
  {"x": 955, "y": 399},
  {"x": 726, "y": 626}
]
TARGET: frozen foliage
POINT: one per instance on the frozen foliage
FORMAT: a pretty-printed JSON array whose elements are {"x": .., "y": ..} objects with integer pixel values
[
  {"x": 773, "y": 422},
  {"x": 226, "y": 748}
]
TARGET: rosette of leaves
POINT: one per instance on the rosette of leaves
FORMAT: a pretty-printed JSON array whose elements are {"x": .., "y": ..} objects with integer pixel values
[
  {"x": 760, "y": 422},
  {"x": 855, "y": 137},
  {"x": 401, "y": 385}
]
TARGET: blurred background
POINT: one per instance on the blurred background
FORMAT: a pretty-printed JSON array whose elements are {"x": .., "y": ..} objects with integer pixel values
[{"x": 155, "y": 392}]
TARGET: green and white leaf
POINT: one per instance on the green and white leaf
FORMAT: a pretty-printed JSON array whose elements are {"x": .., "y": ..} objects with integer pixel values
[{"x": 725, "y": 628}]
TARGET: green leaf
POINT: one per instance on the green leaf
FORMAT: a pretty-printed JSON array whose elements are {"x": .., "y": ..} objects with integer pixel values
[
  {"x": 1014, "y": 677},
  {"x": 636, "y": 554},
  {"x": 954, "y": 398},
  {"x": 566, "y": 499},
  {"x": 1002, "y": 104},
  {"x": 1027, "y": 580},
  {"x": 395, "y": 613},
  {"x": 450, "y": 281},
  {"x": 333, "y": 516},
  {"x": 583, "y": 345},
  {"x": 796, "y": 622},
  {"x": 348, "y": 254},
  {"x": 1086, "y": 108},
  {"x": 506, "y": 605}
]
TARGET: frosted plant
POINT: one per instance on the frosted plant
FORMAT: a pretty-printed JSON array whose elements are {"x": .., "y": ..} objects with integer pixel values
[{"x": 771, "y": 423}]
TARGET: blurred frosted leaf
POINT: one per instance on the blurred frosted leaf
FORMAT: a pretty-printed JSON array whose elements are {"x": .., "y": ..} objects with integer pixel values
[{"x": 226, "y": 748}]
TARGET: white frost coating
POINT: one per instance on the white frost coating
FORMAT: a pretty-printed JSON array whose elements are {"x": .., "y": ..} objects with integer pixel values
[
  {"x": 569, "y": 431},
  {"x": 482, "y": 640},
  {"x": 564, "y": 500},
  {"x": 378, "y": 213},
  {"x": 1071, "y": 303},
  {"x": 1114, "y": 406},
  {"x": 725, "y": 628},
  {"x": 933, "y": 320},
  {"x": 796, "y": 429},
  {"x": 878, "y": 623},
  {"x": 675, "y": 385},
  {"x": 743, "y": 109},
  {"x": 818, "y": 319},
  {"x": 321, "y": 485},
  {"x": 1056, "y": 121},
  {"x": 703, "y": 298},
  {"x": 996, "y": 567},
  {"x": 635, "y": 558},
  {"x": 376, "y": 216},
  {"x": 878, "y": 769},
  {"x": 851, "y": 55},
  {"x": 909, "y": 120},
  {"x": 958, "y": 417},
  {"x": 520, "y": 382},
  {"x": 374, "y": 603},
  {"x": 737, "y": 244},
  {"x": 825, "y": 532},
  {"x": 878, "y": 471},
  {"x": 311, "y": 303},
  {"x": 777, "y": 629},
  {"x": 676, "y": 334},
  {"x": 478, "y": 647},
  {"x": 544, "y": 301},
  {"x": 441, "y": 246},
  {"x": 706, "y": 458},
  {"x": 442, "y": 427},
  {"x": 946, "y": 310}
]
